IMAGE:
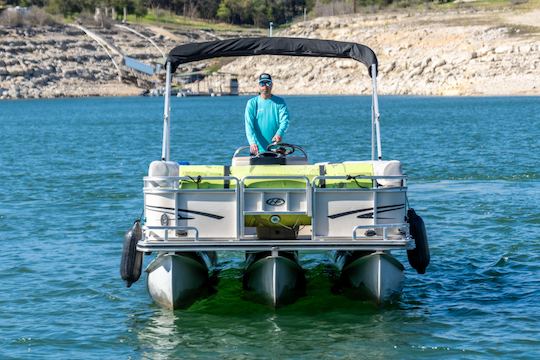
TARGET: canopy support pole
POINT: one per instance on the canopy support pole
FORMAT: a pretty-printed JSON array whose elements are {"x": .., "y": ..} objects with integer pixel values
[
  {"x": 375, "y": 125},
  {"x": 165, "y": 152}
]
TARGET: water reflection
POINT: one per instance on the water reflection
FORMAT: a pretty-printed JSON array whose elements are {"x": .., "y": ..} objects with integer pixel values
[
  {"x": 227, "y": 326},
  {"x": 157, "y": 338},
  {"x": 272, "y": 321}
]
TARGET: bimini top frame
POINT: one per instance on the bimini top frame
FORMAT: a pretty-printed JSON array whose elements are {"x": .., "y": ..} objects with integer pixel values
[{"x": 273, "y": 46}]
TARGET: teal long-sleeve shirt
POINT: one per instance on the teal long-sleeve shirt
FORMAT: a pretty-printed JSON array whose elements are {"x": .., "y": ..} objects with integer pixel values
[{"x": 264, "y": 119}]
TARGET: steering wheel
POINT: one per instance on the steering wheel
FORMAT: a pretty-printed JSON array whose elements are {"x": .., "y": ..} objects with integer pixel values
[{"x": 281, "y": 148}]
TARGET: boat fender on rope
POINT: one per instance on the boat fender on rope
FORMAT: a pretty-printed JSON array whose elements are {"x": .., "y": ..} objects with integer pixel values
[
  {"x": 418, "y": 257},
  {"x": 131, "y": 264}
]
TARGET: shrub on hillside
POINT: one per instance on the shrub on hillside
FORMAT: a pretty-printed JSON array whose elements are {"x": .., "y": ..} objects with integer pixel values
[
  {"x": 38, "y": 16},
  {"x": 32, "y": 16},
  {"x": 11, "y": 17}
]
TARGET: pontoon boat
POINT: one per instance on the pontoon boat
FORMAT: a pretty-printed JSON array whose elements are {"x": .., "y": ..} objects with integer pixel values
[{"x": 274, "y": 205}]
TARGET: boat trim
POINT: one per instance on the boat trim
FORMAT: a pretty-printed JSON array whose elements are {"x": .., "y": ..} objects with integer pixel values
[{"x": 269, "y": 245}]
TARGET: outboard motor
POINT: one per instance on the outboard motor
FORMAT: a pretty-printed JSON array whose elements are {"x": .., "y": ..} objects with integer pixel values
[
  {"x": 131, "y": 264},
  {"x": 418, "y": 257}
]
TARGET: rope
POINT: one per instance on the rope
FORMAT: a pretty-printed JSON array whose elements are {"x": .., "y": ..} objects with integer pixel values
[
  {"x": 196, "y": 180},
  {"x": 350, "y": 177}
]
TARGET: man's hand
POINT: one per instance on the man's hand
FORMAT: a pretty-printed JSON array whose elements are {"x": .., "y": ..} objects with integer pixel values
[
  {"x": 276, "y": 139},
  {"x": 253, "y": 149}
]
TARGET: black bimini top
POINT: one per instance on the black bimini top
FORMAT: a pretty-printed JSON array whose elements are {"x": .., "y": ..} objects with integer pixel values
[{"x": 271, "y": 46}]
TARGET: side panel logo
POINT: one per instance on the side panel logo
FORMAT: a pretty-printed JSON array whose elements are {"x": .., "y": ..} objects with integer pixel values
[{"x": 275, "y": 201}]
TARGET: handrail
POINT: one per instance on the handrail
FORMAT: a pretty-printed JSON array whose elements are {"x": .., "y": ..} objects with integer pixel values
[
  {"x": 362, "y": 177},
  {"x": 241, "y": 148},
  {"x": 277, "y": 177},
  {"x": 174, "y": 180},
  {"x": 237, "y": 151}
]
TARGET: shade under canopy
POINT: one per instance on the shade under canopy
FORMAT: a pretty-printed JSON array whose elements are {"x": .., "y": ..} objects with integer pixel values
[{"x": 271, "y": 46}]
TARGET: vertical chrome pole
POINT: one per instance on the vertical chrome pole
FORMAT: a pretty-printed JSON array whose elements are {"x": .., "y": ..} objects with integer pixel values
[
  {"x": 372, "y": 131},
  {"x": 165, "y": 151},
  {"x": 375, "y": 116}
]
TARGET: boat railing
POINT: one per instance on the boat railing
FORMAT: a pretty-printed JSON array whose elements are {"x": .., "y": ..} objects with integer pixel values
[
  {"x": 173, "y": 184},
  {"x": 399, "y": 180},
  {"x": 363, "y": 204},
  {"x": 165, "y": 196},
  {"x": 220, "y": 223}
]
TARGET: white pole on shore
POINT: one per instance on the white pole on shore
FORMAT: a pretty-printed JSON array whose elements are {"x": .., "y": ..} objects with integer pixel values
[
  {"x": 165, "y": 151},
  {"x": 270, "y": 30}
]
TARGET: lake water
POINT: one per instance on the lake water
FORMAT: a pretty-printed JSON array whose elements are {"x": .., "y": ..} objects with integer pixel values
[{"x": 72, "y": 173}]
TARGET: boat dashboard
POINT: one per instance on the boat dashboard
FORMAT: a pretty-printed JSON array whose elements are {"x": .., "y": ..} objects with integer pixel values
[{"x": 275, "y": 154}]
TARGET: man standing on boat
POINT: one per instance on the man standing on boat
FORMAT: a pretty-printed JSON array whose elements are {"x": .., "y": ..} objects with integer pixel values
[{"x": 266, "y": 117}]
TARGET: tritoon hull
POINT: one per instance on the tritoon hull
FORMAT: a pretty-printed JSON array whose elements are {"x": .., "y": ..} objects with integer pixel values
[
  {"x": 176, "y": 281},
  {"x": 374, "y": 276},
  {"x": 275, "y": 280}
]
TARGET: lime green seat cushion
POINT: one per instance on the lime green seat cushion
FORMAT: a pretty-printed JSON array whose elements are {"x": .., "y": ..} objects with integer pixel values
[
  {"x": 310, "y": 171},
  {"x": 197, "y": 175},
  {"x": 350, "y": 169}
]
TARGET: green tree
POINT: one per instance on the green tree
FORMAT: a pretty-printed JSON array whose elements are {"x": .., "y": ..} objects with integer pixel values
[
  {"x": 63, "y": 7},
  {"x": 259, "y": 12},
  {"x": 223, "y": 11},
  {"x": 139, "y": 8}
]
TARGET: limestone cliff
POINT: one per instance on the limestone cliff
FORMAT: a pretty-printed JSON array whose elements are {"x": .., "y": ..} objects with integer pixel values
[{"x": 455, "y": 53}]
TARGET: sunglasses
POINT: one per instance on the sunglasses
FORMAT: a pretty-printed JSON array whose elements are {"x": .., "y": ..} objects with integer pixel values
[{"x": 265, "y": 83}]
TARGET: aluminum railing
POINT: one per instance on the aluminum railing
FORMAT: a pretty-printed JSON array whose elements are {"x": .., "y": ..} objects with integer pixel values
[{"x": 163, "y": 184}]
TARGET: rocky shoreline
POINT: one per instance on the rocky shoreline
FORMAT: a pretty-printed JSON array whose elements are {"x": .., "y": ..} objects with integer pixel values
[
  {"x": 449, "y": 54},
  {"x": 49, "y": 62},
  {"x": 431, "y": 53},
  {"x": 63, "y": 61}
]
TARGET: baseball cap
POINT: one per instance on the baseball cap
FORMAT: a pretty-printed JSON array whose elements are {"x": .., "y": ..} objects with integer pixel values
[{"x": 264, "y": 77}]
